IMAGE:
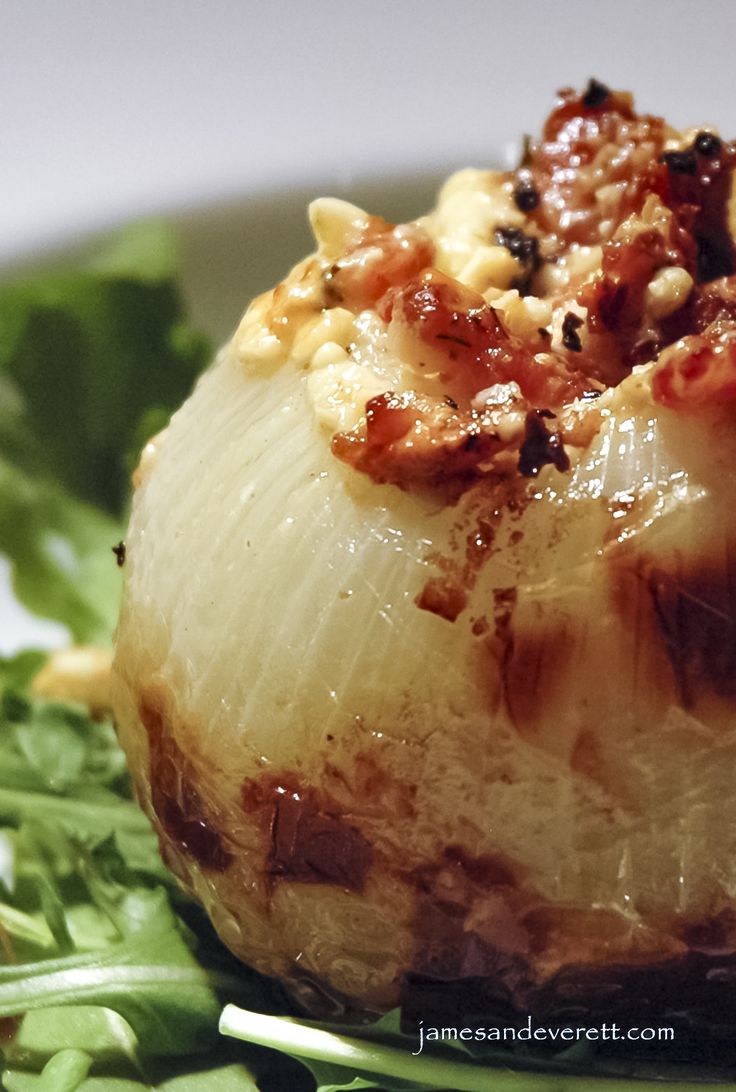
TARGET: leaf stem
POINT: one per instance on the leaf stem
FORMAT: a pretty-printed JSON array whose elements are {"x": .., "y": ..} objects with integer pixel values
[{"x": 283, "y": 1033}]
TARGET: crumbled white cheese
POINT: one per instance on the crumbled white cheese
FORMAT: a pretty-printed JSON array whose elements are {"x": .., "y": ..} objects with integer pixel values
[
  {"x": 333, "y": 222},
  {"x": 471, "y": 206},
  {"x": 667, "y": 290}
]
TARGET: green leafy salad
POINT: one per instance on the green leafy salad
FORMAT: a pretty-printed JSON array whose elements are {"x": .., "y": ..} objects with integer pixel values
[{"x": 111, "y": 980}]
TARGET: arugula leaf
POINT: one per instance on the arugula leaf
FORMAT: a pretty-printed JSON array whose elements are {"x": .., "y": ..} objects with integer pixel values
[
  {"x": 85, "y": 353},
  {"x": 17, "y": 672},
  {"x": 61, "y": 551},
  {"x": 90, "y": 362},
  {"x": 109, "y": 979}
]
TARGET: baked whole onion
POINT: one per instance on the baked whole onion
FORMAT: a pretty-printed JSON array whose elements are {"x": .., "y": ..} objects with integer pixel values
[{"x": 426, "y": 667}]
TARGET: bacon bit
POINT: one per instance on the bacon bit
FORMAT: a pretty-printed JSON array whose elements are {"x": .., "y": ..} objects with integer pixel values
[
  {"x": 698, "y": 189},
  {"x": 440, "y": 446},
  {"x": 698, "y": 371},
  {"x": 381, "y": 256},
  {"x": 388, "y": 418},
  {"x": 596, "y": 142},
  {"x": 598, "y": 127},
  {"x": 615, "y": 301},
  {"x": 440, "y": 597},
  {"x": 581, "y": 117},
  {"x": 541, "y": 447},
  {"x": 417, "y": 440},
  {"x": 470, "y": 345}
]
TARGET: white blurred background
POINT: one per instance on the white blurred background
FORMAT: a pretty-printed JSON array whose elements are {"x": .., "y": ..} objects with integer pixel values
[{"x": 113, "y": 108}]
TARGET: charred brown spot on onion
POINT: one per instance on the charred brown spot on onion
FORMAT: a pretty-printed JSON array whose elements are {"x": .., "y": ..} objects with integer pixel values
[
  {"x": 448, "y": 891},
  {"x": 178, "y": 805},
  {"x": 541, "y": 447},
  {"x": 536, "y": 663},
  {"x": 309, "y": 841},
  {"x": 695, "y": 608}
]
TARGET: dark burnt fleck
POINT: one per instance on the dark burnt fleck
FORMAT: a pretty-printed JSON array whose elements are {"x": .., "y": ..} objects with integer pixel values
[
  {"x": 680, "y": 162},
  {"x": 119, "y": 552},
  {"x": 570, "y": 336},
  {"x": 595, "y": 94},
  {"x": 309, "y": 841},
  {"x": 526, "y": 194},
  {"x": 588, "y": 396},
  {"x": 707, "y": 144},
  {"x": 521, "y": 246},
  {"x": 451, "y": 402},
  {"x": 544, "y": 332},
  {"x": 541, "y": 447}
]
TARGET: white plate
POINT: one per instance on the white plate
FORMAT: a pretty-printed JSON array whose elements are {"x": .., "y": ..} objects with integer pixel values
[{"x": 114, "y": 109}]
